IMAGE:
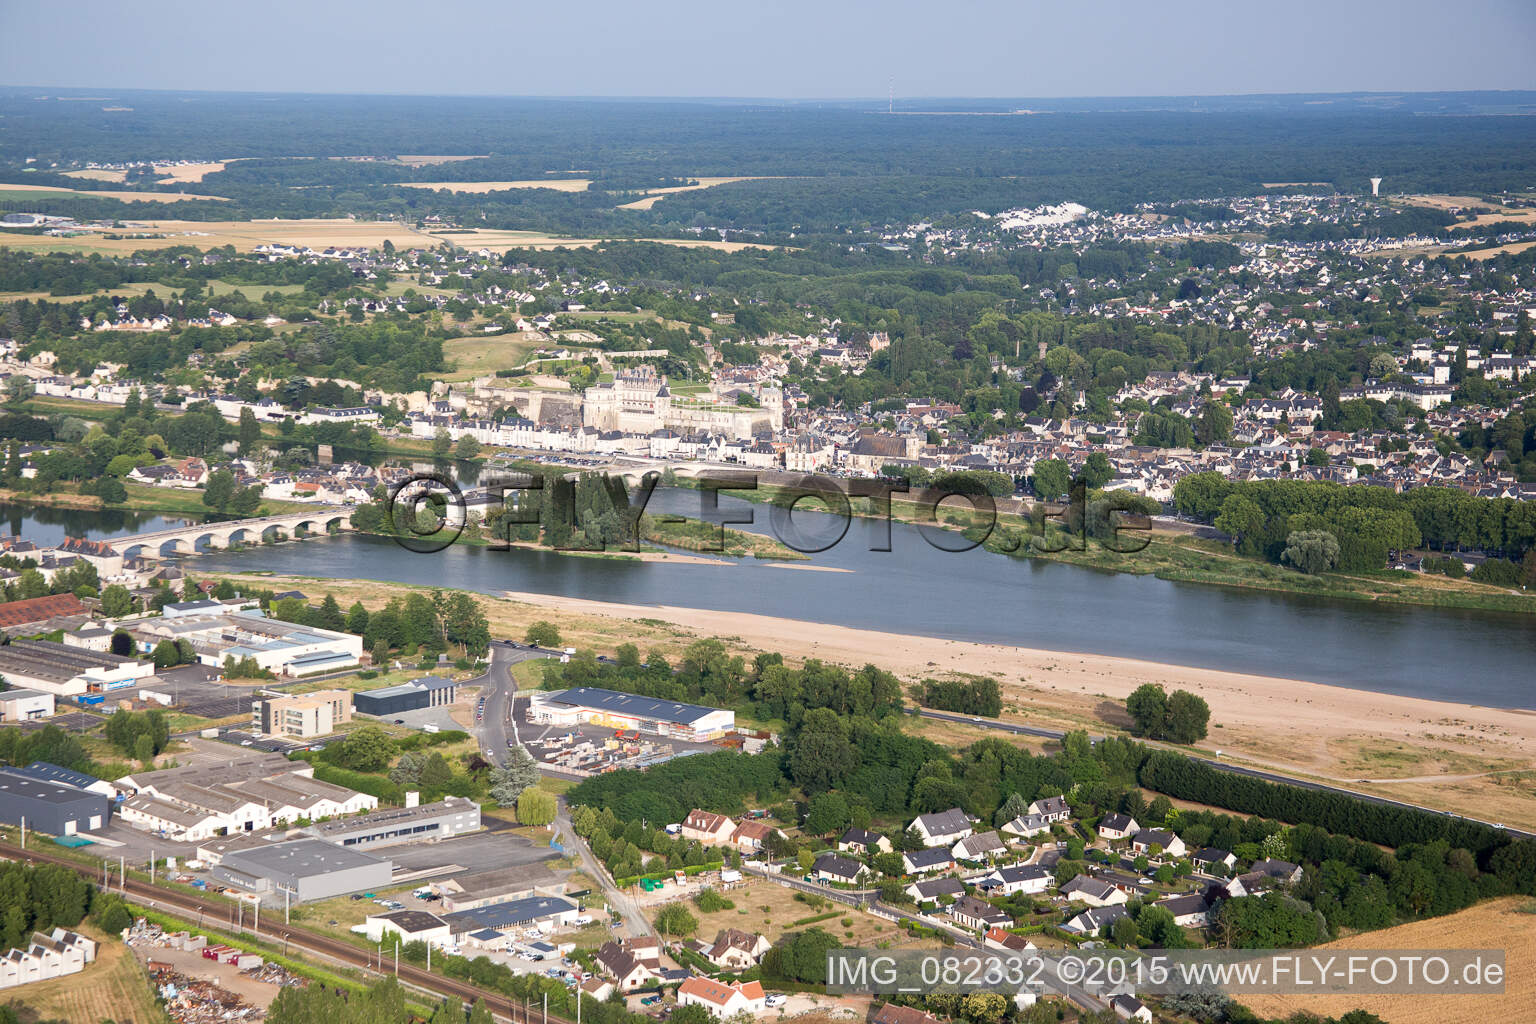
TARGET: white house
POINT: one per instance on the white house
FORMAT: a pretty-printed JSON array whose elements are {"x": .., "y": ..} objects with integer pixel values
[
  {"x": 943, "y": 828},
  {"x": 720, "y": 999},
  {"x": 1147, "y": 838},
  {"x": 1117, "y": 826}
]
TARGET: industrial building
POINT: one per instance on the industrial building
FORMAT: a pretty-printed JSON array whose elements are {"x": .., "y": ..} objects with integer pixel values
[
  {"x": 302, "y": 715},
  {"x": 499, "y": 885},
  {"x": 248, "y": 794},
  {"x": 25, "y": 705},
  {"x": 42, "y": 771},
  {"x": 543, "y": 912},
  {"x": 42, "y": 614},
  {"x": 216, "y": 633},
  {"x": 585, "y": 704},
  {"x": 407, "y": 926},
  {"x": 303, "y": 870},
  {"x": 68, "y": 671},
  {"x": 426, "y": 692},
  {"x": 449, "y": 817},
  {"x": 50, "y": 807}
]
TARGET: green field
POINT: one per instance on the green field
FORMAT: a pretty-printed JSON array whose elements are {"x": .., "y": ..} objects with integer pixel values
[{"x": 482, "y": 356}]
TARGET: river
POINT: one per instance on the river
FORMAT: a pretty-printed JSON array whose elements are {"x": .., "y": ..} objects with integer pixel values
[{"x": 1442, "y": 654}]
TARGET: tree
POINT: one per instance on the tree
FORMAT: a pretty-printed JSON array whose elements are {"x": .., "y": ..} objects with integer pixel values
[
  {"x": 542, "y": 634},
  {"x": 144, "y": 749},
  {"x": 166, "y": 655},
  {"x": 1052, "y": 479},
  {"x": 535, "y": 807},
  {"x": 1097, "y": 471},
  {"x": 441, "y": 443},
  {"x": 467, "y": 448},
  {"x": 122, "y": 643},
  {"x": 329, "y": 616},
  {"x": 1311, "y": 551},
  {"x": 1148, "y": 707},
  {"x": 1012, "y": 808},
  {"x": 116, "y": 601},
  {"x": 435, "y": 772},
  {"x": 248, "y": 433},
  {"x": 219, "y": 490},
  {"x": 828, "y": 812},
  {"x": 357, "y": 619},
  {"x": 366, "y": 750},
  {"x": 507, "y": 783},
  {"x": 1239, "y": 517},
  {"x": 675, "y": 919},
  {"x": 1187, "y": 718}
]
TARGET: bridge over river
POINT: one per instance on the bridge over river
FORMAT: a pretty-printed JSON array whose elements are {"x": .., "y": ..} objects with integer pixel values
[{"x": 323, "y": 519}]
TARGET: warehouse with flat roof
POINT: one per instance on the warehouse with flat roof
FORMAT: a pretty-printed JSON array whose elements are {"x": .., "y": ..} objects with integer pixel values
[
  {"x": 587, "y": 704},
  {"x": 304, "y": 870},
  {"x": 426, "y": 692},
  {"x": 68, "y": 671},
  {"x": 449, "y": 817},
  {"x": 25, "y": 705},
  {"x": 503, "y": 917},
  {"x": 50, "y": 807}
]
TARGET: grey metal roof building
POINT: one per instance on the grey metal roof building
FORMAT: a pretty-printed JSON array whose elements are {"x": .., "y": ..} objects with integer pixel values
[
  {"x": 50, "y": 807},
  {"x": 445, "y": 819},
  {"x": 426, "y": 692},
  {"x": 517, "y": 913},
  {"x": 305, "y": 869}
]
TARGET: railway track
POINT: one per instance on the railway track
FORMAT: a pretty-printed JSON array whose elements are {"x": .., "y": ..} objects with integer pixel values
[{"x": 183, "y": 904}]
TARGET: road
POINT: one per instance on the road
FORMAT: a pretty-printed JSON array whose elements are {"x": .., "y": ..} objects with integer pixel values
[
  {"x": 216, "y": 911},
  {"x": 1257, "y": 773},
  {"x": 499, "y": 689}
]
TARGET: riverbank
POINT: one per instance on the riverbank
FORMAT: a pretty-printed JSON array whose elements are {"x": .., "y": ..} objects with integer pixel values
[
  {"x": 141, "y": 498},
  {"x": 1473, "y": 760}
]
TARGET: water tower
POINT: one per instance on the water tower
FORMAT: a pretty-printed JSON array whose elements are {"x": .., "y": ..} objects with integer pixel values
[{"x": 1375, "y": 186}]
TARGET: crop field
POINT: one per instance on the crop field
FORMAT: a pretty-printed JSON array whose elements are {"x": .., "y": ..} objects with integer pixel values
[
  {"x": 429, "y": 159},
  {"x": 1503, "y": 924},
  {"x": 98, "y": 174},
  {"x": 127, "y": 197},
  {"x": 476, "y": 188}
]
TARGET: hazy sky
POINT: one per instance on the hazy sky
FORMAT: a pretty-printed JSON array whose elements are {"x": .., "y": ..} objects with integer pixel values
[{"x": 790, "y": 48}]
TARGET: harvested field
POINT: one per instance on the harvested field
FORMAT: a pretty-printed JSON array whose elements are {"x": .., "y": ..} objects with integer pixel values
[
  {"x": 427, "y": 161},
  {"x": 782, "y": 910},
  {"x": 654, "y": 195},
  {"x": 1498, "y": 250},
  {"x": 482, "y": 187},
  {"x": 316, "y": 233},
  {"x": 1498, "y": 924},
  {"x": 98, "y": 175},
  {"x": 183, "y": 173},
  {"x": 127, "y": 197}
]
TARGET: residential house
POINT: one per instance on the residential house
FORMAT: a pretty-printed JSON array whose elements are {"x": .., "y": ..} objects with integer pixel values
[
  {"x": 935, "y": 889},
  {"x": 1192, "y": 910},
  {"x": 1117, "y": 826},
  {"x": 627, "y": 972},
  {"x": 1029, "y": 878},
  {"x": 736, "y": 950},
  {"x": 724, "y": 1001},
  {"x": 829, "y": 867},
  {"x": 856, "y": 840},
  {"x": 1128, "y": 1007},
  {"x": 927, "y": 861},
  {"x": 708, "y": 828},
  {"x": 1052, "y": 808},
  {"x": 1210, "y": 857},
  {"x": 1170, "y": 844},
  {"x": 1027, "y": 825},
  {"x": 970, "y": 912},
  {"x": 1094, "y": 921},
  {"x": 943, "y": 828},
  {"x": 1279, "y": 870},
  {"x": 981, "y": 847},
  {"x": 1001, "y": 938},
  {"x": 1093, "y": 891},
  {"x": 750, "y": 837}
]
